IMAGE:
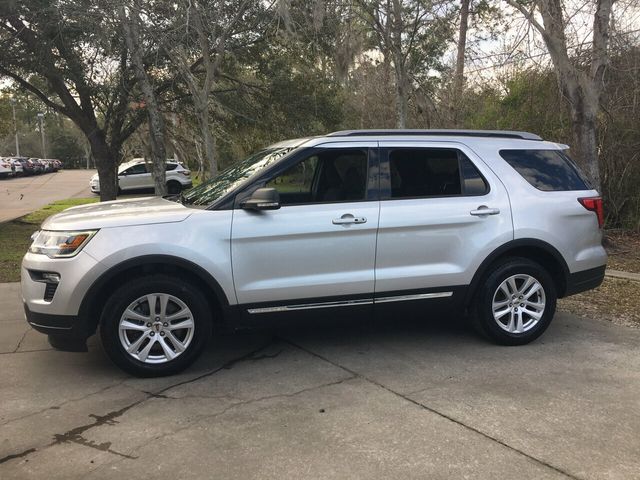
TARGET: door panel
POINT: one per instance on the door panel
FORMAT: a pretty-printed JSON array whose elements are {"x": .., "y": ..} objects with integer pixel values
[
  {"x": 440, "y": 239},
  {"x": 134, "y": 177},
  {"x": 321, "y": 242},
  {"x": 297, "y": 252}
]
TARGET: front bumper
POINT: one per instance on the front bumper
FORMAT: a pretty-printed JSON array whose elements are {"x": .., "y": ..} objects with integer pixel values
[
  {"x": 584, "y": 280},
  {"x": 55, "y": 309},
  {"x": 68, "y": 325}
]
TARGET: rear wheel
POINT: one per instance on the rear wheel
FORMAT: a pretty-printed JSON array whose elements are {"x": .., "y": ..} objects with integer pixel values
[
  {"x": 155, "y": 325},
  {"x": 516, "y": 303},
  {"x": 173, "y": 188}
]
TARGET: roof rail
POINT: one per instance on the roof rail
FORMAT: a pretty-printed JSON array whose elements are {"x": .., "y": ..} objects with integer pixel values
[{"x": 437, "y": 132}]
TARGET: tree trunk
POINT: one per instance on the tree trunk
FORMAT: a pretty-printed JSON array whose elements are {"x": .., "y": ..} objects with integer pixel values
[
  {"x": 582, "y": 88},
  {"x": 458, "y": 79},
  {"x": 106, "y": 165},
  {"x": 156, "y": 121},
  {"x": 402, "y": 92},
  {"x": 584, "y": 149},
  {"x": 208, "y": 140}
]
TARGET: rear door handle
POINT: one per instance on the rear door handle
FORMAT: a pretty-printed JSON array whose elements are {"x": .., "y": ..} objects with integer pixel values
[
  {"x": 348, "y": 219},
  {"x": 483, "y": 210}
]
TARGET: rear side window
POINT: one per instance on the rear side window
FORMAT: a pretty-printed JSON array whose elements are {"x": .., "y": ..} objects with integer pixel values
[
  {"x": 171, "y": 166},
  {"x": 547, "y": 170},
  {"x": 433, "y": 172},
  {"x": 136, "y": 169}
]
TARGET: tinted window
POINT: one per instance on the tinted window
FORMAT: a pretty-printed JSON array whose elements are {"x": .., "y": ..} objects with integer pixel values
[
  {"x": 136, "y": 169},
  {"x": 547, "y": 170},
  {"x": 432, "y": 172},
  {"x": 329, "y": 176},
  {"x": 171, "y": 166}
]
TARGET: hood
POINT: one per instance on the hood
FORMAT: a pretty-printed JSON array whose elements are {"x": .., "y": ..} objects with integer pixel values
[{"x": 119, "y": 213}]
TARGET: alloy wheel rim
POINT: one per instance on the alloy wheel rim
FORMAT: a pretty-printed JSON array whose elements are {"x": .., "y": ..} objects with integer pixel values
[
  {"x": 156, "y": 328},
  {"x": 518, "y": 303}
]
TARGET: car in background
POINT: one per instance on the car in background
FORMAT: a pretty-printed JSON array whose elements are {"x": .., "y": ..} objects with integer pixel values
[
  {"x": 27, "y": 166},
  {"x": 135, "y": 175},
  {"x": 38, "y": 166},
  {"x": 6, "y": 167},
  {"x": 18, "y": 170}
]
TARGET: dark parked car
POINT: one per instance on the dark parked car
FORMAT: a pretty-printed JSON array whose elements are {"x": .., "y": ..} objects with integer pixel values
[{"x": 38, "y": 166}]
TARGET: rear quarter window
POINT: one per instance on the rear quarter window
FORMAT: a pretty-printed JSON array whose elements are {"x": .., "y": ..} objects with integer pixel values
[{"x": 547, "y": 170}]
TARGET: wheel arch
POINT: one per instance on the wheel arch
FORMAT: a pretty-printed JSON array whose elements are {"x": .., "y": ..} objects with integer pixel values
[
  {"x": 96, "y": 296},
  {"x": 533, "y": 249}
]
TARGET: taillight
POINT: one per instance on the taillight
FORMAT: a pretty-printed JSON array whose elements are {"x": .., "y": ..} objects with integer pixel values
[
  {"x": 594, "y": 204},
  {"x": 186, "y": 173}
]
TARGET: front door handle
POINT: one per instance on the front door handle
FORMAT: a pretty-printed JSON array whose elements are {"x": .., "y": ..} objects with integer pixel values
[
  {"x": 348, "y": 219},
  {"x": 483, "y": 210}
]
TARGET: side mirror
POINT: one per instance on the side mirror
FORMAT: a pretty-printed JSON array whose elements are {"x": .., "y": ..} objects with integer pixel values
[{"x": 263, "y": 199}]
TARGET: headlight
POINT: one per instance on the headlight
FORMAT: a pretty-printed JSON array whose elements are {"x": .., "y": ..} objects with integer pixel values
[{"x": 60, "y": 244}]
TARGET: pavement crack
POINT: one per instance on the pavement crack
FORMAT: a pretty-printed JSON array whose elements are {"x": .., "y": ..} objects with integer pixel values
[
  {"x": 75, "y": 434},
  {"x": 66, "y": 402},
  {"x": 434, "y": 411},
  {"x": 103, "y": 447},
  {"x": 17, "y": 455},
  {"x": 21, "y": 340},
  {"x": 28, "y": 351},
  {"x": 242, "y": 403}
]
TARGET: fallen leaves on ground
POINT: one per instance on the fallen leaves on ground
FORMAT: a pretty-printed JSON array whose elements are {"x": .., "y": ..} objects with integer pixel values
[{"x": 616, "y": 301}]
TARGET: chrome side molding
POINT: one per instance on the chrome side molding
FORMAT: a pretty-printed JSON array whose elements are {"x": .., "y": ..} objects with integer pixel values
[
  {"x": 419, "y": 296},
  {"x": 349, "y": 303},
  {"x": 309, "y": 306}
]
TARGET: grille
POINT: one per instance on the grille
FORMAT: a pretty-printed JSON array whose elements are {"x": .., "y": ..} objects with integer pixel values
[{"x": 50, "y": 291}]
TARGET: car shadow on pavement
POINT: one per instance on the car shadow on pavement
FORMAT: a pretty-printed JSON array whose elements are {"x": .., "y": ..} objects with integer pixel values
[{"x": 347, "y": 333}]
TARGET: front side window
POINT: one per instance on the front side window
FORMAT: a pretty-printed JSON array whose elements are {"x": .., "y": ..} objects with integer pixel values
[
  {"x": 333, "y": 175},
  {"x": 433, "y": 172},
  {"x": 547, "y": 170},
  {"x": 234, "y": 176}
]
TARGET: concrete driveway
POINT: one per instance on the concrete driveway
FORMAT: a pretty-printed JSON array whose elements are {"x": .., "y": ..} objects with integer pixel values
[
  {"x": 19, "y": 196},
  {"x": 409, "y": 400}
]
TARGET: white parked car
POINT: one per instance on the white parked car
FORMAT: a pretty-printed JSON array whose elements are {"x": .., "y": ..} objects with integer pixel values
[
  {"x": 6, "y": 168},
  {"x": 136, "y": 175},
  {"x": 17, "y": 165}
]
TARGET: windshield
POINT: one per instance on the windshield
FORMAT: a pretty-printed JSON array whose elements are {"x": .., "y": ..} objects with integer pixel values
[{"x": 233, "y": 176}]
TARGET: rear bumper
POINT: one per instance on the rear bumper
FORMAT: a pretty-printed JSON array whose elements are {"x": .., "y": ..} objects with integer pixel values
[{"x": 584, "y": 280}]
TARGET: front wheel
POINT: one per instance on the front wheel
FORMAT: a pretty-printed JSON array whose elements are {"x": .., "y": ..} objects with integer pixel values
[
  {"x": 155, "y": 325},
  {"x": 516, "y": 303}
]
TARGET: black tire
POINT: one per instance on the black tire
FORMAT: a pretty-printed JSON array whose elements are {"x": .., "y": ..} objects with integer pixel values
[
  {"x": 482, "y": 312},
  {"x": 173, "y": 187},
  {"x": 136, "y": 288}
]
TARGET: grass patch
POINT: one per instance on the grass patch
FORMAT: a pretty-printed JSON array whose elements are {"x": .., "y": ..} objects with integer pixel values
[{"x": 15, "y": 236}]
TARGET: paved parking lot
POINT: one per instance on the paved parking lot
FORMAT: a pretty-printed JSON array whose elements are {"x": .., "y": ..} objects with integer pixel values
[
  {"x": 405, "y": 400},
  {"x": 21, "y": 195}
]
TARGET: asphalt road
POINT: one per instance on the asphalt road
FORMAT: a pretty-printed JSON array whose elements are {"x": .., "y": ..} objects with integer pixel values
[
  {"x": 408, "y": 400},
  {"x": 22, "y": 195}
]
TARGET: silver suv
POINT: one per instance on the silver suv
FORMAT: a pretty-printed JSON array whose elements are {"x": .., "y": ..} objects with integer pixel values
[{"x": 496, "y": 225}]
